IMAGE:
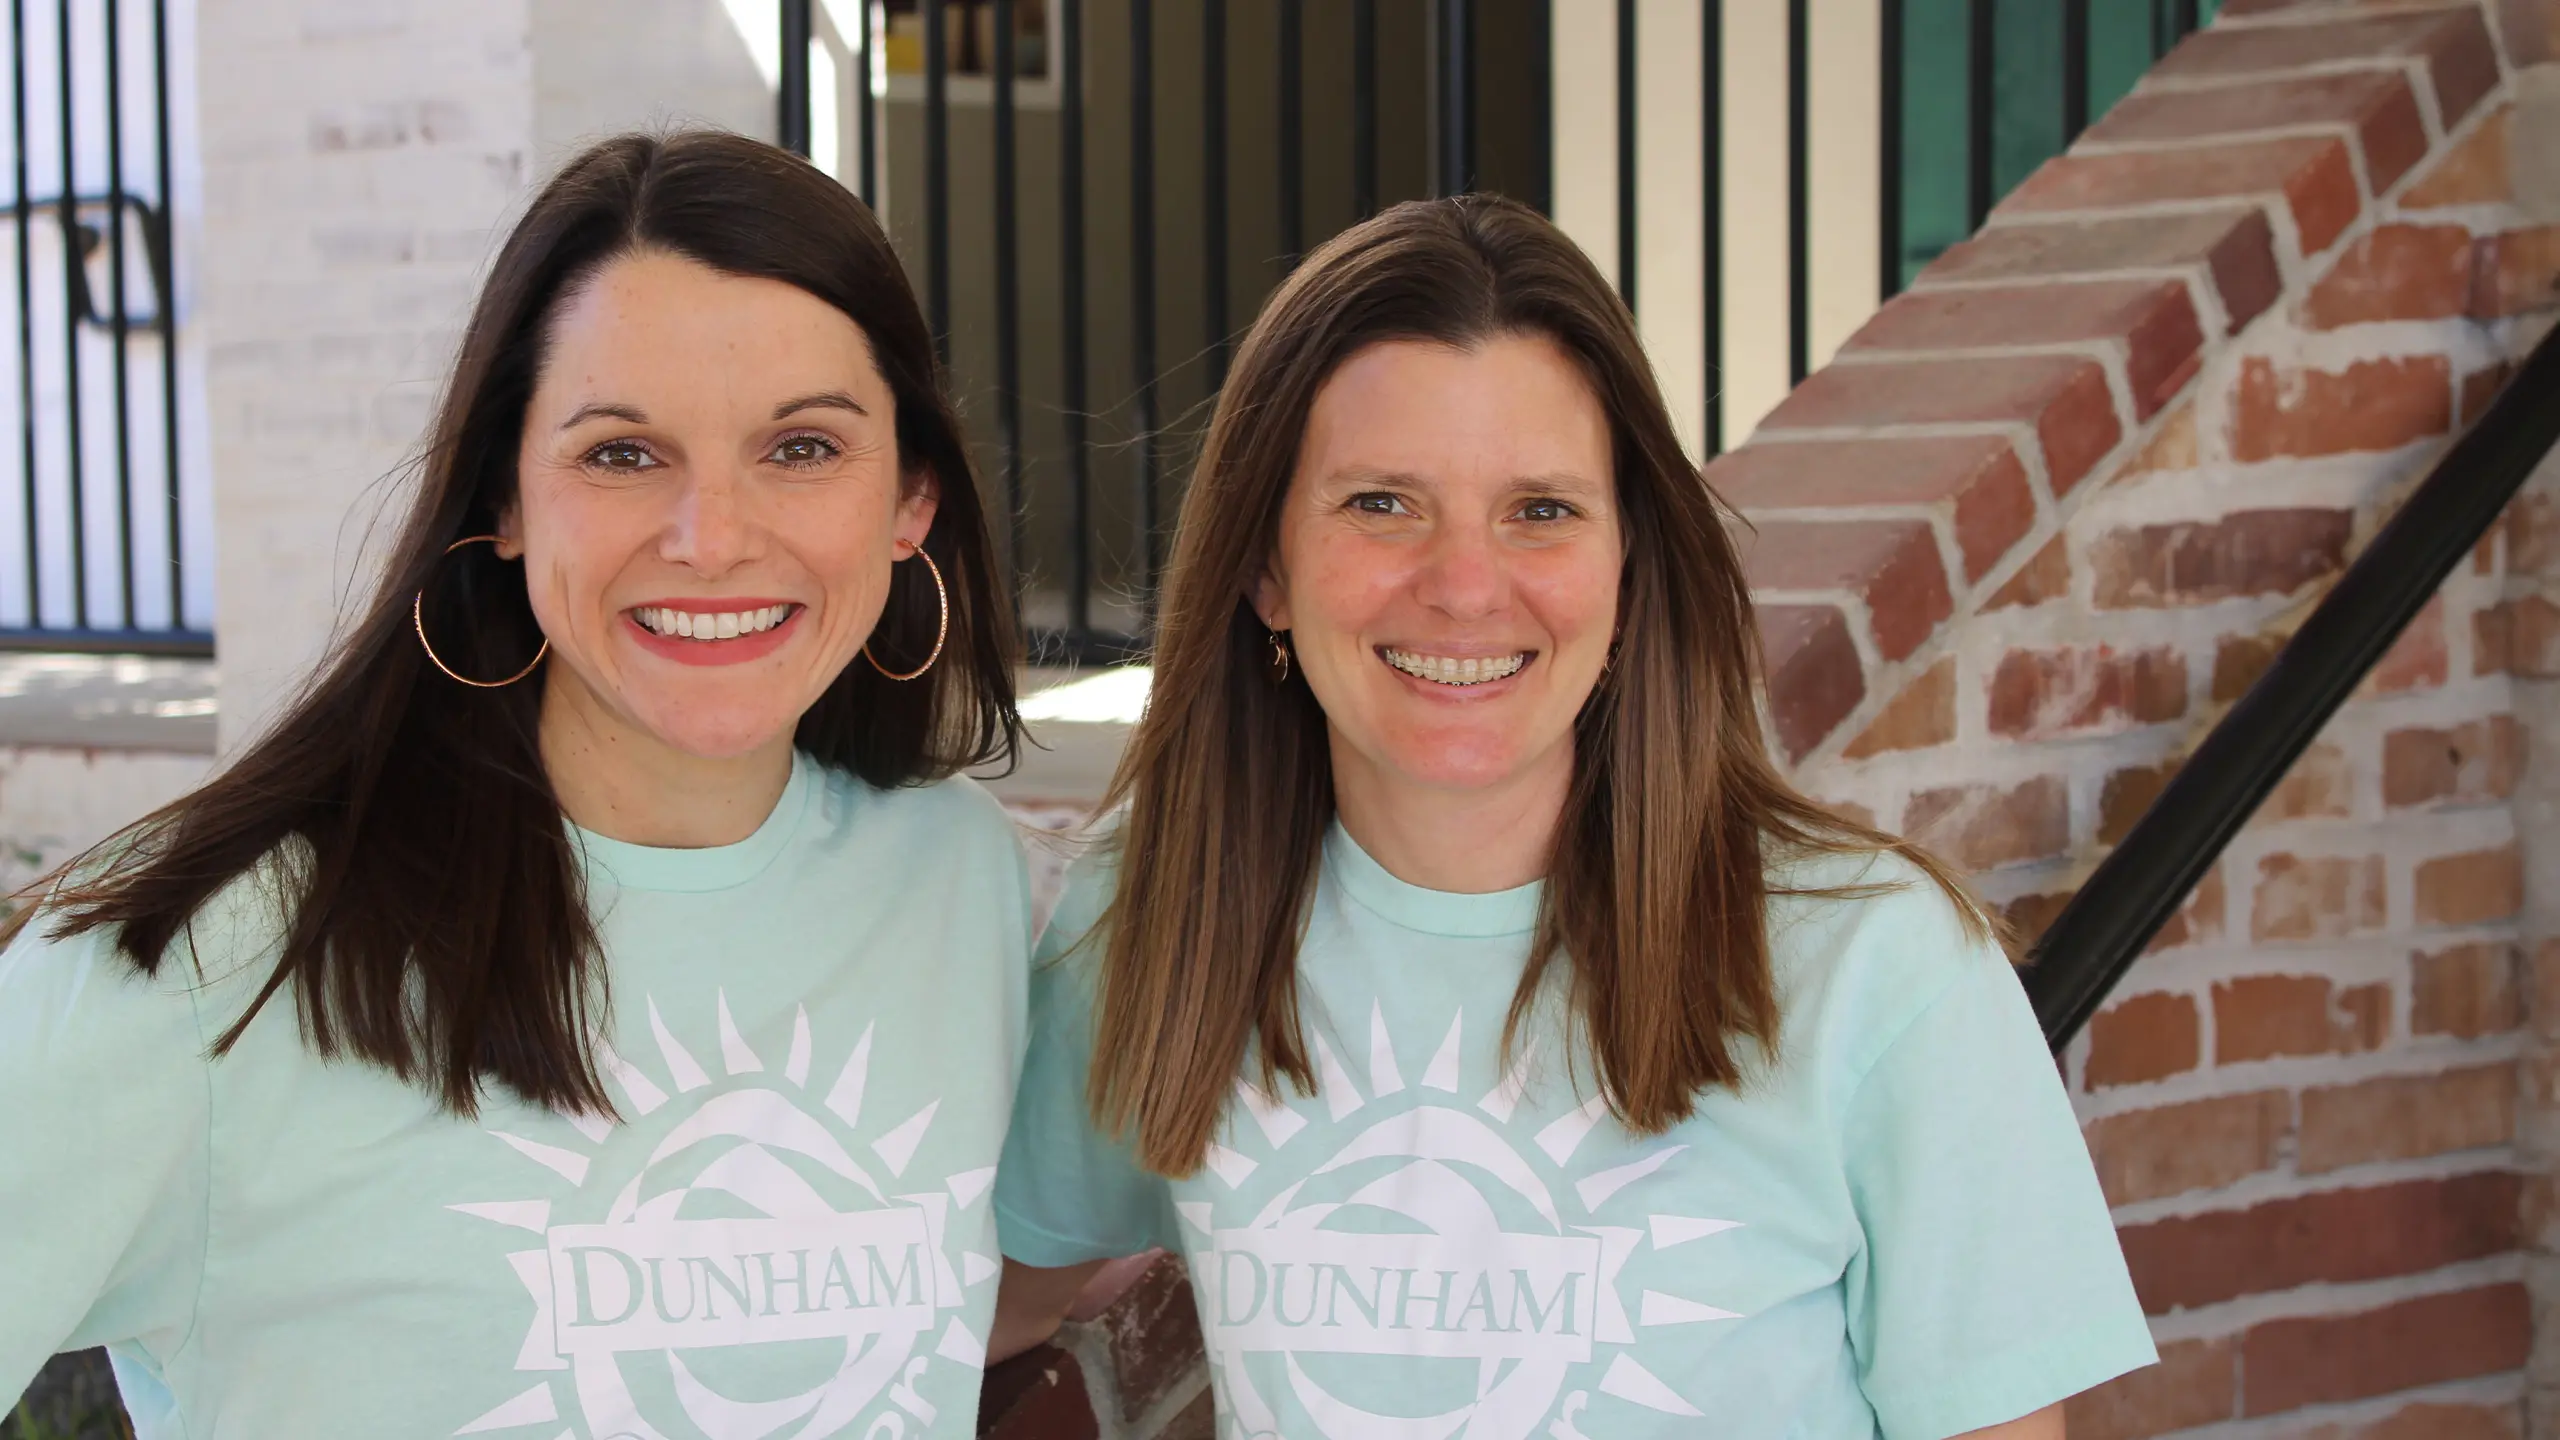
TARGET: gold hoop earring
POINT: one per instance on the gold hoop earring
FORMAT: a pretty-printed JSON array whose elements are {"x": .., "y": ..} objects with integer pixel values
[
  {"x": 418, "y": 622},
  {"x": 941, "y": 629},
  {"x": 1279, "y": 659}
]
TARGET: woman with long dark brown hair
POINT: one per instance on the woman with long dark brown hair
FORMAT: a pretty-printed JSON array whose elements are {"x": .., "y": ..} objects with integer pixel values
[
  {"x": 593, "y": 1007},
  {"x": 1463, "y": 989}
]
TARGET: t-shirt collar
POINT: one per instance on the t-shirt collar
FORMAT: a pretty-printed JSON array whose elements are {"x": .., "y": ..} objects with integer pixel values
[
  {"x": 714, "y": 867},
  {"x": 1434, "y": 912}
]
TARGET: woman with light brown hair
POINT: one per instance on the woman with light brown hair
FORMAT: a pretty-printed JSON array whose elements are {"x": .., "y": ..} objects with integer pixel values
[{"x": 1462, "y": 989}]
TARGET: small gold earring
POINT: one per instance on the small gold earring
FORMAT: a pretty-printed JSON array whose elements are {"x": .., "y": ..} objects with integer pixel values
[{"x": 1279, "y": 659}]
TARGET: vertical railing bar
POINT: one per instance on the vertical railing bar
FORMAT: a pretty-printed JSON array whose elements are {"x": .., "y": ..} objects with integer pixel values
[
  {"x": 1068, "y": 57},
  {"x": 1981, "y": 50},
  {"x": 1293, "y": 133},
  {"x": 1364, "y": 108},
  {"x": 166, "y": 308},
  {"x": 118, "y": 329},
  {"x": 1711, "y": 95},
  {"x": 937, "y": 174},
  {"x": 1008, "y": 297},
  {"x": 26, "y": 314},
  {"x": 1627, "y": 152},
  {"x": 1457, "y": 96},
  {"x": 1213, "y": 183},
  {"x": 2075, "y": 69},
  {"x": 868, "y": 165},
  {"x": 1142, "y": 270},
  {"x": 73, "y": 285},
  {"x": 1542, "y": 100},
  {"x": 1889, "y": 150},
  {"x": 791, "y": 96},
  {"x": 1799, "y": 190}
]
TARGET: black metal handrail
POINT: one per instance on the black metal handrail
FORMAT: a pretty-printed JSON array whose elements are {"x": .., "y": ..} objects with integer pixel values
[{"x": 2142, "y": 882}]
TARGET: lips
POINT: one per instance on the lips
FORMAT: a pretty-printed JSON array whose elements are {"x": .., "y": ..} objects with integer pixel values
[
  {"x": 716, "y": 633},
  {"x": 1457, "y": 671},
  {"x": 710, "y": 625}
]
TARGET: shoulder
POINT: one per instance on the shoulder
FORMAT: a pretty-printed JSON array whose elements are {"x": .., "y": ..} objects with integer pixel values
[
  {"x": 1092, "y": 878},
  {"x": 1861, "y": 944},
  {"x": 233, "y": 938},
  {"x": 66, "y": 996},
  {"x": 955, "y": 815}
]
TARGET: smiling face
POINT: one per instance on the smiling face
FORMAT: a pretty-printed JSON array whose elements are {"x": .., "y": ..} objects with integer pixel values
[
  {"x": 708, "y": 502},
  {"x": 1448, "y": 564}
]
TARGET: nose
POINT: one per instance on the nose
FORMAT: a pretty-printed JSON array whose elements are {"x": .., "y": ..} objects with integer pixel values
[
  {"x": 710, "y": 530},
  {"x": 1463, "y": 574}
]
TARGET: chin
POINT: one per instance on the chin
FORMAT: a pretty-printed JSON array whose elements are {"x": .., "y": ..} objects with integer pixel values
[
  {"x": 717, "y": 736},
  {"x": 1457, "y": 765}
]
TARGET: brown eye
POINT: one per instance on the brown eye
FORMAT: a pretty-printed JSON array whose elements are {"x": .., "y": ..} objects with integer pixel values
[
  {"x": 623, "y": 455},
  {"x": 1546, "y": 510},
  {"x": 804, "y": 450}
]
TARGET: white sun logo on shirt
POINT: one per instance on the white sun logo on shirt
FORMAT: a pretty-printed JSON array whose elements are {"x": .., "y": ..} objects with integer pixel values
[
  {"x": 749, "y": 1223},
  {"x": 1527, "y": 1305}
]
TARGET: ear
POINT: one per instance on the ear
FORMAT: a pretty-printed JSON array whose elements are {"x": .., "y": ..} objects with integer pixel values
[
  {"x": 1270, "y": 597},
  {"x": 916, "y": 506},
  {"x": 510, "y": 544}
]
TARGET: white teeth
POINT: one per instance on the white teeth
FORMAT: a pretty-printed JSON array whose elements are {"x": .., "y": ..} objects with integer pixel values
[
  {"x": 1448, "y": 670},
  {"x": 661, "y": 620}
]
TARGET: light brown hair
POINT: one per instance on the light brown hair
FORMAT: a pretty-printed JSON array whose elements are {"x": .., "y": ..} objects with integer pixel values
[{"x": 1656, "y": 893}]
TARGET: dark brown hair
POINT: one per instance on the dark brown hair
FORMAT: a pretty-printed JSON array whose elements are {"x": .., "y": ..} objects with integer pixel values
[
  {"x": 433, "y": 913},
  {"x": 1658, "y": 882}
]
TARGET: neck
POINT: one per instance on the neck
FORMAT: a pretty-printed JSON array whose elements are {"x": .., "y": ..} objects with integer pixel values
[
  {"x": 1470, "y": 841},
  {"x": 619, "y": 781}
]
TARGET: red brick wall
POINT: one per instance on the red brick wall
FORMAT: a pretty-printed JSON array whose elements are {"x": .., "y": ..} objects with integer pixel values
[
  {"x": 2056, "y": 508},
  {"x": 2020, "y": 544}
]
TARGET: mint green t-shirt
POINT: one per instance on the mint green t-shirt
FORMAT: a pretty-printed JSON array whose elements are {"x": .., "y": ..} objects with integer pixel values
[
  {"x": 1893, "y": 1229},
  {"x": 814, "y": 1036}
]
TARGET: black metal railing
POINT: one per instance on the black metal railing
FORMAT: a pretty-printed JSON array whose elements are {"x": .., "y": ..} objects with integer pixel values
[
  {"x": 2141, "y": 883},
  {"x": 1150, "y": 180},
  {"x": 1215, "y": 142},
  {"x": 94, "y": 539}
]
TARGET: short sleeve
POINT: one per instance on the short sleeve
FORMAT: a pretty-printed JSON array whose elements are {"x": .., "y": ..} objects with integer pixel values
[
  {"x": 1065, "y": 1192},
  {"x": 104, "y": 1153},
  {"x": 1991, "y": 1284}
]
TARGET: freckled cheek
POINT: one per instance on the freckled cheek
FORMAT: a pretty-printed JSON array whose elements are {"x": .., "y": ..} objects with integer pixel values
[
  {"x": 849, "y": 567},
  {"x": 1350, "y": 588},
  {"x": 573, "y": 556},
  {"x": 1574, "y": 602}
]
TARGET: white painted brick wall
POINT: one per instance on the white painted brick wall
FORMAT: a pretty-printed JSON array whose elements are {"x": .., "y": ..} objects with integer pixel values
[
  {"x": 602, "y": 66},
  {"x": 357, "y": 155},
  {"x": 360, "y": 158},
  {"x": 55, "y": 803}
]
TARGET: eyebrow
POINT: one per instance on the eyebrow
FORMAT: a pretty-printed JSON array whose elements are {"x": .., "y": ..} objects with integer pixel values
[
  {"x": 600, "y": 410},
  {"x": 634, "y": 415},
  {"x": 1551, "y": 480},
  {"x": 821, "y": 400}
]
